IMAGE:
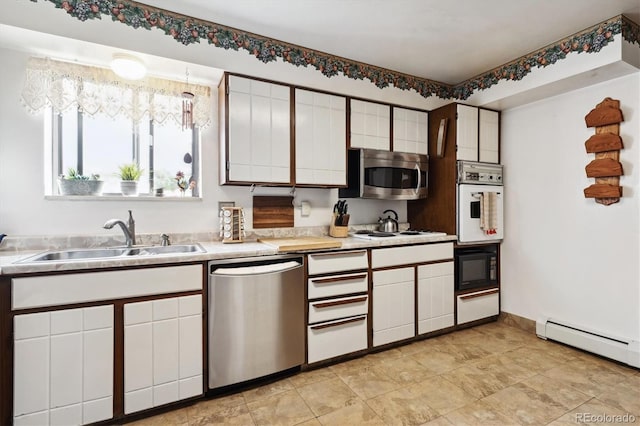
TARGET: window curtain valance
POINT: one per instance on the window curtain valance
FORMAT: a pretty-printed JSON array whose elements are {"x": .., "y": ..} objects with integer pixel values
[{"x": 64, "y": 85}]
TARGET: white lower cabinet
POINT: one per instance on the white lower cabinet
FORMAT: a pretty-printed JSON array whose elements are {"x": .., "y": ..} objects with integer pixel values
[
  {"x": 162, "y": 352},
  {"x": 63, "y": 366},
  {"x": 338, "y": 304},
  {"x": 337, "y": 326},
  {"x": 399, "y": 274},
  {"x": 478, "y": 305},
  {"x": 393, "y": 305},
  {"x": 435, "y": 297},
  {"x": 338, "y": 337}
]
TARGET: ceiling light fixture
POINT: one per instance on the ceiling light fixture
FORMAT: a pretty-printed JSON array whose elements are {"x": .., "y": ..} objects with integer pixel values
[{"x": 128, "y": 66}]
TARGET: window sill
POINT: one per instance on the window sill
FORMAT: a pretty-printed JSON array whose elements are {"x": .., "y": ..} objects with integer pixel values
[{"x": 119, "y": 198}]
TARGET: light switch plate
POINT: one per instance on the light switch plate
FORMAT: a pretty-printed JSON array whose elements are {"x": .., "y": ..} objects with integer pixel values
[{"x": 305, "y": 208}]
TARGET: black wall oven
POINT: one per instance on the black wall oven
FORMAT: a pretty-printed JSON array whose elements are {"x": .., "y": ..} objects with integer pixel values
[{"x": 476, "y": 267}]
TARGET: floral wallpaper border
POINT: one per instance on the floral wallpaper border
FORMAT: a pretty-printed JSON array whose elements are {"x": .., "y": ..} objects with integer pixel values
[{"x": 188, "y": 30}]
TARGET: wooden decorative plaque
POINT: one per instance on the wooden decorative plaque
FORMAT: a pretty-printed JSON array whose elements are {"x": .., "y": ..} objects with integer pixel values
[{"x": 606, "y": 144}]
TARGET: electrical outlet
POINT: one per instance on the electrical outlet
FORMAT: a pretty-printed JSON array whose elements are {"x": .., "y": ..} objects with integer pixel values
[{"x": 222, "y": 204}]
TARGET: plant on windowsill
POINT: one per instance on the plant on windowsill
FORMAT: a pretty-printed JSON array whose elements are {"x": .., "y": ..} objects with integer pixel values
[
  {"x": 76, "y": 184},
  {"x": 129, "y": 174}
]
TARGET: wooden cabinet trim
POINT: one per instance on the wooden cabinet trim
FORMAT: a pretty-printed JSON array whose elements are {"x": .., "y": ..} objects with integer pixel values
[
  {"x": 330, "y": 304},
  {"x": 480, "y": 294},
  {"x": 331, "y": 280},
  {"x": 336, "y": 324}
]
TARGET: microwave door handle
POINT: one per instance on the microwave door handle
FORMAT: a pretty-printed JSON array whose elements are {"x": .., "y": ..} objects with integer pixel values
[{"x": 419, "y": 178}]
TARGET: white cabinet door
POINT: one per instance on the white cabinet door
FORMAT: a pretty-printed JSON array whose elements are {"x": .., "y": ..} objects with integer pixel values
[
  {"x": 489, "y": 136},
  {"x": 259, "y": 131},
  {"x": 467, "y": 133},
  {"x": 321, "y": 138},
  {"x": 162, "y": 351},
  {"x": 370, "y": 125},
  {"x": 334, "y": 338},
  {"x": 435, "y": 297},
  {"x": 410, "y": 131},
  {"x": 478, "y": 305},
  {"x": 63, "y": 366},
  {"x": 393, "y": 305}
]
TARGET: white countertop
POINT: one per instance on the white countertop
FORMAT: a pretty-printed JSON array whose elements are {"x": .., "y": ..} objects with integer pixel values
[{"x": 215, "y": 250}]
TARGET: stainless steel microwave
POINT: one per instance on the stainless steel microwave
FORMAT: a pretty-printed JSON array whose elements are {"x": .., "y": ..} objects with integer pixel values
[{"x": 386, "y": 175}]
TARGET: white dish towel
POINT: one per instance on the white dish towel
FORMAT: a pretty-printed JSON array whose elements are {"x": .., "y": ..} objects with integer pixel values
[{"x": 488, "y": 212}]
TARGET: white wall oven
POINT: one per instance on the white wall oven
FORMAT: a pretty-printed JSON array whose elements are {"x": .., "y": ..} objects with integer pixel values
[{"x": 480, "y": 203}]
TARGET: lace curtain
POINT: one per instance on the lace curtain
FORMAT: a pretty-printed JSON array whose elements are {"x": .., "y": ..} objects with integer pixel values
[{"x": 64, "y": 85}]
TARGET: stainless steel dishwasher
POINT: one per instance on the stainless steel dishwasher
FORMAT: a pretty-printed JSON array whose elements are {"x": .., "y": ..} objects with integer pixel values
[{"x": 256, "y": 317}]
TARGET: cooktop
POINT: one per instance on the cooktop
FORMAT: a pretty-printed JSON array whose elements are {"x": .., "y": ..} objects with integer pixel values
[{"x": 365, "y": 234}]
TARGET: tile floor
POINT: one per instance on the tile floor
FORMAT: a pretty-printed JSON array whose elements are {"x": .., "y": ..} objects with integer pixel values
[{"x": 493, "y": 374}]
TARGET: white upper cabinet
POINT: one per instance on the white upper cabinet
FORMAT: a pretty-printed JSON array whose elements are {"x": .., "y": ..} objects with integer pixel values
[
  {"x": 478, "y": 134},
  {"x": 370, "y": 125},
  {"x": 320, "y": 138},
  {"x": 259, "y": 132},
  {"x": 410, "y": 131},
  {"x": 489, "y": 136},
  {"x": 467, "y": 133}
]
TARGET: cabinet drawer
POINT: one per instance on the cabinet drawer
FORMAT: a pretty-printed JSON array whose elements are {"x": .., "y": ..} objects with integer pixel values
[
  {"x": 337, "y": 261},
  {"x": 478, "y": 305},
  {"x": 326, "y": 310},
  {"x": 335, "y": 285},
  {"x": 39, "y": 291},
  {"x": 335, "y": 338},
  {"x": 393, "y": 256}
]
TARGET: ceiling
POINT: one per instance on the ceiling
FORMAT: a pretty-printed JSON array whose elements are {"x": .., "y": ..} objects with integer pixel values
[{"x": 447, "y": 41}]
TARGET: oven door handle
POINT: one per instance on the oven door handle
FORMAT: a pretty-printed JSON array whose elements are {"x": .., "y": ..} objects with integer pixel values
[{"x": 419, "y": 178}]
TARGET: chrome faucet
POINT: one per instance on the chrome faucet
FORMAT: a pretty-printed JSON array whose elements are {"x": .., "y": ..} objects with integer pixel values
[{"x": 129, "y": 231}]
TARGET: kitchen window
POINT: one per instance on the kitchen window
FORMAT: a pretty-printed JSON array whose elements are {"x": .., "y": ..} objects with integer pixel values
[
  {"x": 98, "y": 145},
  {"x": 97, "y": 122}
]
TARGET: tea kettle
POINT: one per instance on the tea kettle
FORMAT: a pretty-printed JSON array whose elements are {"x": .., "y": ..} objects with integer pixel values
[{"x": 388, "y": 224}]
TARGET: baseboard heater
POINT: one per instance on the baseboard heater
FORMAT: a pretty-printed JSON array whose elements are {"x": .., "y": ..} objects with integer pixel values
[{"x": 619, "y": 349}]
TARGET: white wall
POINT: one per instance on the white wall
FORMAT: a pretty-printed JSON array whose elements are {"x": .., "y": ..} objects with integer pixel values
[
  {"x": 565, "y": 256},
  {"x": 25, "y": 211}
]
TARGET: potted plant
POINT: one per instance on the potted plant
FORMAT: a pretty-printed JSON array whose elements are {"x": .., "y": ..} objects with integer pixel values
[
  {"x": 76, "y": 184},
  {"x": 129, "y": 174}
]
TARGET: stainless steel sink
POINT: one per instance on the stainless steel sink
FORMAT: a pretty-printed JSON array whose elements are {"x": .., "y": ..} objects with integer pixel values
[
  {"x": 178, "y": 248},
  {"x": 110, "y": 253}
]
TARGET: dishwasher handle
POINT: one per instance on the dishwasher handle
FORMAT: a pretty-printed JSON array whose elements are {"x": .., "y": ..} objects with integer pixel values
[{"x": 257, "y": 269}]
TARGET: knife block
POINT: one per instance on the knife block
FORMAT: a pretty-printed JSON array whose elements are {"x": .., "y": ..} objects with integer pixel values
[{"x": 337, "y": 231}]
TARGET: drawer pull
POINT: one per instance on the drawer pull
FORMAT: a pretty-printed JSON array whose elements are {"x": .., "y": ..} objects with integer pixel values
[
  {"x": 339, "y": 302},
  {"x": 335, "y": 324},
  {"x": 338, "y": 279},
  {"x": 474, "y": 295},
  {"x": 339, "y": 253}
]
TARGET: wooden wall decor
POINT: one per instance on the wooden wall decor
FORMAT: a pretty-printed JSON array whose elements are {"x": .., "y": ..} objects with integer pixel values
[{"x": 606, "y": 145}]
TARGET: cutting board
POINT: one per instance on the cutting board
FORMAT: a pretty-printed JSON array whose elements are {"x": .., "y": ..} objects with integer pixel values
[
  {"x": 301, "y": 243},
  {"x": 272, "y": 212}
]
